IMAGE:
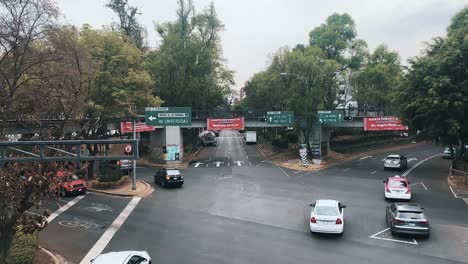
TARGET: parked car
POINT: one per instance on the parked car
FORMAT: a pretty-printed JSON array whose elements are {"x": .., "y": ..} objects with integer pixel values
[
  {"x": 327, "y": 217},
  {"x": 123, "y": 257},
  {"x": 407, "y": 218},
  {"x": 447, "y": 154},
  {"x": 70, "y": 184},
  {"x": 124, "y": 166},
  {"x": 396, "y": 161},
  {"x": 208, "y": 138},
  {"x": 166, "y": 177},
  {"x": 397, "y": 187}
]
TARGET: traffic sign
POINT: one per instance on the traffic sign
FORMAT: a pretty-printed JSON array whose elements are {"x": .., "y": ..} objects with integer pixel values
[
  {"x": 128, "y": 149},
  {"x": 168, "y": 116},
  {"x": 330, "y": 116},
  {"x": 280, "y": 117}
]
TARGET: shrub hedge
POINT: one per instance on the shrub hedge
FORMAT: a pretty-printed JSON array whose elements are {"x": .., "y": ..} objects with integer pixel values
[
  {"x": 100, "y": 184},
  {"x": 23, "y": 248}
]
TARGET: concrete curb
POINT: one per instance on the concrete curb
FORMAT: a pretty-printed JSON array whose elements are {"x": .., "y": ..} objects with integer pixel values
[
  {"x": 405, "y": 146},
  {"x": 149, "y": 189},
  {"x": 50, "y": 254}
]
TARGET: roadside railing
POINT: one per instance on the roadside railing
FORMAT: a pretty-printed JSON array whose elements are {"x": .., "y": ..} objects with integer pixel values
[{"x": 459, "y": 173}]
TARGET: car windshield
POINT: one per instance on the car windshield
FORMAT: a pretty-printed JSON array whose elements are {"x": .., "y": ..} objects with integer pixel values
[
  {"x": 74, "y": 177},
  {"x": 397, "y": 184},
  {"x": 411, "y": 215},
  {"x": 393, "y": 158},
  {"x": 326, "y": 210},
  {"x": 173, "y": 172}
]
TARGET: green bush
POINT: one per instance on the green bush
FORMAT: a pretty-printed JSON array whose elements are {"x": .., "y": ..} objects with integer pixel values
[
  {"x": 292, "y": 137},
  {"x": 188, "y": 148},
  {"x": 23, "y": 249},
  {"x": 280, "y": 143},
  {"x": 101, "y": 184}
]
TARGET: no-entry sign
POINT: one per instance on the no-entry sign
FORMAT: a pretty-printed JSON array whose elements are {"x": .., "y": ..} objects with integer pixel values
[
  {"x": 225, "y": 123},
  {"x": 383, "y": 123},
  {"x": 128, "y": 149}
]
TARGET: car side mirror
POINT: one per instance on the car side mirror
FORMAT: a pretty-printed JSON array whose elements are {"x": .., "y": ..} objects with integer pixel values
[
  {"x": 343, "y": 206},
  {"x": 384, "y": 181},
  {"x": 312, "y": 204},
  {"x": 143, "y": 260},
  {"x": 422, "y": 208}
]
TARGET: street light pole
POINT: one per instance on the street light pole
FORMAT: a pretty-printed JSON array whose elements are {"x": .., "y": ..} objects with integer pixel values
[{"x": 134, "y": 161}]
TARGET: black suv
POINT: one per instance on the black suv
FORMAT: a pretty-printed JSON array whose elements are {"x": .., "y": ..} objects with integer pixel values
[{"x": 166, "y": 177}]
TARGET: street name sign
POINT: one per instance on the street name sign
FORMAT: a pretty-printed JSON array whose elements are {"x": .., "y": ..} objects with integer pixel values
[
  {"x": 168, "y": 116},
  {"x": 330, "y": 116},
  {"x": 280, "y": 117}
]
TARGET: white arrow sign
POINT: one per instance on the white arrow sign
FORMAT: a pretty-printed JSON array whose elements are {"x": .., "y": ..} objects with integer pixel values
[
  {"x": 151, "y": 118},
  {"x": 239, "y": 163},
  {"x": 366, "y": 157},
  {"x": 218, "y": 163},
  {"x": 271, "y": 118},
  {"x": 198, "y": 164}
]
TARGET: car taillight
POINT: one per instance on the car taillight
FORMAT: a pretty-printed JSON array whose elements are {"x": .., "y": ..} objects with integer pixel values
[
  {"x": 167, "y": 177},
  {"x": 118, "y": 163},
  {"x": 424, "y": 222},
  {"x": 338, "y": 221},
  {"x": 387, "y": 189},
  {"x": 408, "y": 191},
  {"x": 396, "y": 221},
  {"x": 313, "y": 220}
]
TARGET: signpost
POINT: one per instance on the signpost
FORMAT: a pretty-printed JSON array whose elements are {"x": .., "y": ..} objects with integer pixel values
[
  {"x": 168, "y": 116},
  {"x": 330, "y": 116},
  {"x": 303, "y": 154},
  {"x": 280, "y": 118}
]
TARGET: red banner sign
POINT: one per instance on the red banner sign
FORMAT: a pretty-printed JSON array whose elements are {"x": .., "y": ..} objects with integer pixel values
[
  {"x": 383, "y": 123},
  {"x": 127, "y": 127},
  {"x": 228, "y": 123}
]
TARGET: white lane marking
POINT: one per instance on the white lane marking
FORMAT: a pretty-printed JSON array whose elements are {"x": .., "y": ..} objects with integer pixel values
[
  {"x": 247, "y": 157},
  {"x": 366, "y": 157},
  {"x": 374, "y": 236},
  {"x": 454, "y": 195},
  {"x": 218, "y": 163},
  {"x": 411, "y": 159},
  {"x": 422, "y": 184},
  {"x": 110, "y": 232},
  {"x": 64, "y": 208},
  {"x": 198, "y": 164},
  {"x": 239, "y": 163},
  {"x": 207, "y": 165},
  {"x": 229, "y": 164},
  {"x": 419, "y": 163},
  {"x": 347, "y": 170},
  {"x": 250, "y": 163},
  {"x": 208, "y": 159},
  {"x": 373, "y": 172}
]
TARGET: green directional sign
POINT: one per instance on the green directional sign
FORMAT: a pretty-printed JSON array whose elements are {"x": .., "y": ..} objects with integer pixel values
[
  {"x": 168, "y": 116},
  {"x": 330, "y": 116},
  {"x": 280, "y": 118}
]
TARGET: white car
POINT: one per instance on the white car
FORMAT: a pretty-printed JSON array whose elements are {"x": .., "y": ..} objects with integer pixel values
[
  {"x": 327, "y": 217},
  {"x": 396, "y": 161},
  {"x": 123, "y": 257}
]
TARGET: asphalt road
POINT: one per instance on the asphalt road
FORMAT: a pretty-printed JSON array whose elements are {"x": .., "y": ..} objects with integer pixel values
[{"x": 236, "y": 207}]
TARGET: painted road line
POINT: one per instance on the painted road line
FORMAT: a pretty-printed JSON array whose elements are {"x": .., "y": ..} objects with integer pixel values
[
  {"x": 347, "y": 170},
  {"x": 198, "y": 164},
  {"x": 250, "y": 163},
  {"x": 454, "y": 195},
  {"x": 366, "y": 157},
  {"x": 64, "y": 208},
  {"x": 419, "y": 163},
  {"x": 373, "y": 172},
  {"x": 411, "y": 159},
  {"x": 375, "y": 236},
  {"x": 422, "y": 184},
  {"x": 110, "y": 232},
  {"x": 207, "y": 165}
]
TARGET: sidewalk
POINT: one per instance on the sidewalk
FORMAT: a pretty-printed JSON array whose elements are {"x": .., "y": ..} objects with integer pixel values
[
  {"x": 142, "y": 189},
  {"x": 289, "y": 158}
]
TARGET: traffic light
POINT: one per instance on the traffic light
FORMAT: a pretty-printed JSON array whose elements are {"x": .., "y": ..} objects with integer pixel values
[
  {"x": 262, "y": 119},
  {"x": 348, "y": 118}
]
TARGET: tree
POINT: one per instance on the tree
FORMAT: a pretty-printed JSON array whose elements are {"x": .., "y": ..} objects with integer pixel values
[
  {"x": 188, "y": 66},
  {"x": 377, "y": 81},
  {"x": 23, "y": 186},
  {"x": 434, "y": 94},
  {"x": 128, "y": 21},
  {"x": 23, "y": 27}
]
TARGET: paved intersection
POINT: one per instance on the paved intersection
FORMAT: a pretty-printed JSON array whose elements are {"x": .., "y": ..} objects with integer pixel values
[{"x": 259, "y": 213}]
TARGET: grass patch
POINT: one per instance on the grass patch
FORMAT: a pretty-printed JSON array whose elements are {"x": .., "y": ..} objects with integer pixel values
[{"x": 23, "y": 248}]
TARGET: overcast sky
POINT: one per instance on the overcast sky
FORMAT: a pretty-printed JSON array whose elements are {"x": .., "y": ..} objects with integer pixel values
[{"x": 257, "y": 28}]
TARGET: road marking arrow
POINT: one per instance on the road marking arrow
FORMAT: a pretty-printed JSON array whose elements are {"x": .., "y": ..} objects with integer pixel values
[
  {"x": 239, "y": 163},
  {"x": 198, "y": 164},
  {"x": 366, "y": 157},
  {"x": 151, "y": 118},
  {"x": 218, "y": 163}
]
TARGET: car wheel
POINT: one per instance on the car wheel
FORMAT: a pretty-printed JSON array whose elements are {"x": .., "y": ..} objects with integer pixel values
[
  {"x": 426, "y": 236},
  {"x": 162, "y": 184},
  {"x": 340, "y": 234},
  {"x": 394, "y": 233},
  {"x": 384, "y": 168},
  {"x": 180, "y": 185}
]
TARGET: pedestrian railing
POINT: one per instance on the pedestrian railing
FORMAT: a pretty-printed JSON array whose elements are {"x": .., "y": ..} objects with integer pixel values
[{"x": 459, "y": 173}]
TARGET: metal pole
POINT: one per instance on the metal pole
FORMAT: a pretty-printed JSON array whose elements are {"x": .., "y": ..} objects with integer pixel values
[{"x": 134, "y": 161}]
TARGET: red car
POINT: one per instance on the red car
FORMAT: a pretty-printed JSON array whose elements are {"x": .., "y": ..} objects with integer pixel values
[
  {"x": 397, "y": 187},
  {"x": 70, "y": 184}
]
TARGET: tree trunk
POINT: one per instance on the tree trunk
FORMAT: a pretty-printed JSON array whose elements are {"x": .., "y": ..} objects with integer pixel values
[{"x": 6, "y": 235}]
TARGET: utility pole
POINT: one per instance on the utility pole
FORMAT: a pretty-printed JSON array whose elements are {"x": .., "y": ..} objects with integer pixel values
[{"x": 136, "y": 149}]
